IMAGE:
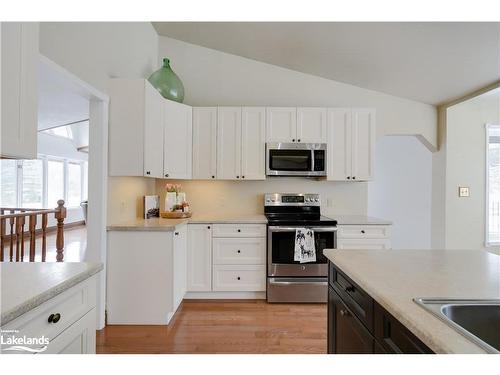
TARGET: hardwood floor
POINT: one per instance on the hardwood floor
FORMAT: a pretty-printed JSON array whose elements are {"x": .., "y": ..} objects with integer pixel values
[{"x": 225, "y": 327}]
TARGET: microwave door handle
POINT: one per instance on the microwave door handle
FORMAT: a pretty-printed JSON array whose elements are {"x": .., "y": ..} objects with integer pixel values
[{"x": 312, "y": 160}]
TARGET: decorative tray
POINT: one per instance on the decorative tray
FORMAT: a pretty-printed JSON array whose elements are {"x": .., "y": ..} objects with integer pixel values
[{"x": 175, "y": 215}]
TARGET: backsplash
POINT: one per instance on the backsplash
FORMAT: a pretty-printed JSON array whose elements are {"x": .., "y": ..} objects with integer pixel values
[{"x": 246, "y": 197}]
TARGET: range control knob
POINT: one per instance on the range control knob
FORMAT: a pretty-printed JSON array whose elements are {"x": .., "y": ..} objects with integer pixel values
[{"x": 316, "y": 199}]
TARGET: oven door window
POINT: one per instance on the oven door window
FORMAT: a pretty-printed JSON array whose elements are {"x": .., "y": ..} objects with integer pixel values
[
  {"x": 290, "y": 160},
  {"x": 283, "y": 246}
]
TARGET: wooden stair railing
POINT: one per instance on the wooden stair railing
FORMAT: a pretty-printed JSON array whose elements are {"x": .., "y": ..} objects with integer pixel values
[{"x": 12, "y": 232}]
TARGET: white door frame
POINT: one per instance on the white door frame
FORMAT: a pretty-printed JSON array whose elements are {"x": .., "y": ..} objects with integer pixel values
[{"x": 97, "y": 174}]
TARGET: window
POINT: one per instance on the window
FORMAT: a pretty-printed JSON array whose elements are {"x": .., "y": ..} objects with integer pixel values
[
  {"x": 55, "y": 182},
  {"x": 62, "y": 131},
  {"x": 42, "y": 182},
  {"x": 74, "y": 184},
  {"x": 32, "y": 184},
  {"x": 8, "y": 183},
  {"x": 493, "y": 184}
]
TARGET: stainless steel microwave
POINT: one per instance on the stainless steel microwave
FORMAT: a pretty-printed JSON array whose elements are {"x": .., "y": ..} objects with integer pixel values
[{"x": 296, "y": 159}]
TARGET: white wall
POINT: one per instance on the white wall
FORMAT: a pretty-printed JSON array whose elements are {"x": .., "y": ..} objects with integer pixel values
[
  {"x": 246, "y": 197},
  {"x": 401, "y": 191},
  {"x": 211, "y": 77},
  {"x": 60, "y": 147},
  {"x": 465, "y": 166}
]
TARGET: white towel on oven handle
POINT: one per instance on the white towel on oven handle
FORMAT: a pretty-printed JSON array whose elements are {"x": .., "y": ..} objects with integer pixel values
[{"x": 305, "y": 249}]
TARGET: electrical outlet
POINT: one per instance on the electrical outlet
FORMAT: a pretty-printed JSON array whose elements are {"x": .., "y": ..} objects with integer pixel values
[{"x": 463, "y": 191}]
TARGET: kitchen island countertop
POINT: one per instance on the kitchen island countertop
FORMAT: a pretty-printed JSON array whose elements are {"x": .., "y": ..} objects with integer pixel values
[{"x": 393, "y": 278}]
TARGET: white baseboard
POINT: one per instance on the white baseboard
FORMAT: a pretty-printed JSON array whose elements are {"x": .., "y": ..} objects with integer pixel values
[{"x": 225, "y": 295}]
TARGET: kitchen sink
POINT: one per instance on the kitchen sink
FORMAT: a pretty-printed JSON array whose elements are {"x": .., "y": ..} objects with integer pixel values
[{"x": 477, "y": 320}]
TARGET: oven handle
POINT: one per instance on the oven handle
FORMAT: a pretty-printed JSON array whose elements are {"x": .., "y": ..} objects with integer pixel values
[
  {"x": 293, "y": 229},
  {"x": 272, "y": 281}
]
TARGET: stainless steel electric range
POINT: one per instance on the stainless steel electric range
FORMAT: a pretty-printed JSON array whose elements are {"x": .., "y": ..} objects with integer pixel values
[{"x": 289, "y": 280}]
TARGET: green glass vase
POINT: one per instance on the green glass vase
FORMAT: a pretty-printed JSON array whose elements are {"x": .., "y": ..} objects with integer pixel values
[{"x": 167, "y": 82}]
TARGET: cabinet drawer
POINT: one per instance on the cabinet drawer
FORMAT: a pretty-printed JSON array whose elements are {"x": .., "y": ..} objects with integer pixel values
[
  {"x": 364, "y": 244},
  {"x": 238, "y": 278},
  {"x": 239, "y": 250},
  {"x": 360, "y": 303},
  {"x": 239, "y": 230},
  {"x": 71, "y": 305},
  {"x": 394, "y": 337},
  {"x": 363, "y": 231}
]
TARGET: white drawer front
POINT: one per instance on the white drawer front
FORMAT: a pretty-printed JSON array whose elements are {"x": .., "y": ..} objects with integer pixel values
[
  {"x": 238, "y": 278},
  {"x": 239, "y": 230},
  {"x": 71, "y": 305},
  {"x": 239, "y": 250},
  {"x": 363, "y": 231},
  {"x": 361, "y": 244}
]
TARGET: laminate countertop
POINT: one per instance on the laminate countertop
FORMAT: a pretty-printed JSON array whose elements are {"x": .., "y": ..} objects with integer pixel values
[
  {"x": 160, "y": 224},
  {"x": 394, "y": 278},
  {"x": 28, "y": 285}
]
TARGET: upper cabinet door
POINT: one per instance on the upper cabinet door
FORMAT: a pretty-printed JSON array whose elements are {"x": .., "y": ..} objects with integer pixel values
[
  {"x": 311, "y": 125},
  {"x": 229, "y": 143},
  {"x": 178, "y": 140},
  {"x": 19, "y": 89},
  {"x": 204, "y": 142},
  {"x": 363, "y": 143},
  {"x": 153, "y": 132},
  {"x": 281, "y": 124},
  {"x": 253, "y": 143},
  {"x": 339, "y": 151}
]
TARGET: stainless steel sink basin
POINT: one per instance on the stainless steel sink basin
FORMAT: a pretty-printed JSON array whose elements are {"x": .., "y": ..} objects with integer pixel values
[{"x": 477, "y": 320}]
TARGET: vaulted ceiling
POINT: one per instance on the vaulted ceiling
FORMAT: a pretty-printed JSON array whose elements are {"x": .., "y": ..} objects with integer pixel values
[{"x": 428, "y": 62}]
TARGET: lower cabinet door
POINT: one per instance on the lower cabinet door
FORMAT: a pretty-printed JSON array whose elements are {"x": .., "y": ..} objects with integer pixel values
[
  {"x": 79, "y": 338},
  {"x": 346, "y": 334}
]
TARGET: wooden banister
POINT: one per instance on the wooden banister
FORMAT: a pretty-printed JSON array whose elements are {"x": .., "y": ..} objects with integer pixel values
[{"x": 12, "y": 226}]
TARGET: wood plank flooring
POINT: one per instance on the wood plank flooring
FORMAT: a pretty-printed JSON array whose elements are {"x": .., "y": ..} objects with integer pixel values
[{"x": 225, "y": 327}]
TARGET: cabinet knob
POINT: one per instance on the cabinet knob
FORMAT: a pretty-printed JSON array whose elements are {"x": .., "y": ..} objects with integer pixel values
[
  {"x": 353, "y": 177},
  {"x": 348, "y": 177},
  {"x": 54, "y": 318},
  {"x": 239, "y": 230},
  {"x": 293, "y": 140},
  {"x": 176, "y": 233},
  {"x": 239, "y": 251},
  {"x": 362, "y": 231},
  {"x": 148, "y": 172},
  {"x": 237, "y": 176},
  {"x": 213, "y": 176},
  {"x": 344, "y": 313},
  {"x": 242, "y": 176},
  {"x": 239, "y": 278},
  {"x": 349, "y": 288},
  {"x": 208, "y": 227},
  {"x": 298, "y": 140},
  {"x": 166, "y": 174}
]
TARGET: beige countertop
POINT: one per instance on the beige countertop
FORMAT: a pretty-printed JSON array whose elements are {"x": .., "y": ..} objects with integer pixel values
[
  {"x": 395, "y": 277},
  {"x": 358, "y": 220},
  {"x": 160, "y": 224},
  {"x": 25, "y": 286}
]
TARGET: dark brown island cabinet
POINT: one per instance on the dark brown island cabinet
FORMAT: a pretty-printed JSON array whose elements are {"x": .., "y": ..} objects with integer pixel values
[{"x": 357, "y": 324}]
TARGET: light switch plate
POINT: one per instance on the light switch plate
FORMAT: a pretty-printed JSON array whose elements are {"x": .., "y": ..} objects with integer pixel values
[{"x": 463, "y": 191}]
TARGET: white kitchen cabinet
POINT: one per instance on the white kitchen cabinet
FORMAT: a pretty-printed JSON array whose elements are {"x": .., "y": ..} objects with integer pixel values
[
  {"x": 199, "y": 258},
  {"x": 364, "y": 237},
  {"x": 253, "y": 143},
  {"x": 19, "y": 89},
  {"x": 74, "y": 332},
  {"x": 228, "y": 143},
  {"x": 281, "y": 124},
  {"x": 351, "y": 142},
  {"x": 239, "y": 250},
  {"x": 363, "y": 143},
  {"x": 239, "y": 278},
  {"x": 180, "y": 265},
  {"x": 178, "y": 140},
  {"x": 135, "y": 129},
  {"x": 205, "y": 143},
  {"x": 311, "y": 125}
]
